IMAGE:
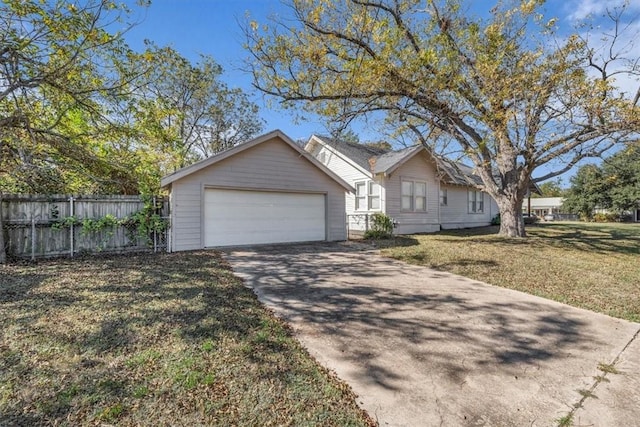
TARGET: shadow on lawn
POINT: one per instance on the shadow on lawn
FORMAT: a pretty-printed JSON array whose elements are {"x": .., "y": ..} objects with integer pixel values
[
  {"x": 373, "y": 308},
  {"x": 590, "y": 237},
  {"x": 98, "y": 315},
  {"x": 600, "y": 238}
]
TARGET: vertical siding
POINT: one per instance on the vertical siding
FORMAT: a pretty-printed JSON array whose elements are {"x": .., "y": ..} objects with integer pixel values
[
  {"x": 456, "y": 213},
  {"x": 336, "y": 163},
  {"x": 418, "y": 168},
  {"x": 271, "y": 165}
]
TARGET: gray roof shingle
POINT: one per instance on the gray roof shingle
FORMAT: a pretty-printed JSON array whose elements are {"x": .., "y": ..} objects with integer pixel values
[{"x": 359, "y": 153}]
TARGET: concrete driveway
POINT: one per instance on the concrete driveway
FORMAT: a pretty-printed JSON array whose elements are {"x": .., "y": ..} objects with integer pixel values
[{"x": 424, "y": 348}]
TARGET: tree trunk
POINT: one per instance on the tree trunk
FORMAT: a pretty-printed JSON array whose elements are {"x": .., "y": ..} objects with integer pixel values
[
  {"x": 3, "y": 252},
  {"x": 512, "y": 224},
  {"x": 511, "y": 220}
]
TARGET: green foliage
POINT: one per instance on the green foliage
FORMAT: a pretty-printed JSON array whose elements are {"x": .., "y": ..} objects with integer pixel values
[
  {"x": 81, "y": 112},
  {"x": 65, "y": 222},
  {"x": 142, "y": 224},
  {"x": 381, "y": 227},
  {"x": 495, "y": 220},
  {"x": 606, "y": 217},
  {"x": 550, "y": 189},
  {"x": 615, "y": 186},
  {"x": 585, "y": 193},
  {"x": 188, "y": 113}
]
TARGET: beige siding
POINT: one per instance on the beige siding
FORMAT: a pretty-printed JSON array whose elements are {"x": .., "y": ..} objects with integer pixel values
[
  {"x": 456, "y": 213},
  {"x": 351, "y": 174},
  {"x": 271, "y": 165},
  {"x": 418, "y": 168}
]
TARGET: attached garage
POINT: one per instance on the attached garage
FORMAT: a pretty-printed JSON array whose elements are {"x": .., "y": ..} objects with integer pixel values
[{"x": 268, "y": 190}]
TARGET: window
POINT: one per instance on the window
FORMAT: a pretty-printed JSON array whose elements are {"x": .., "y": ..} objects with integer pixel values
[
  {"x": 414, "y": 196},
  {"x": 476, "y": 201},
  {"x": 367, "y": 196},
  {"x": 420, "y": 189},
  {"x": 361, "y": 196},
  {"x": 443, "y": 197},
  {"x": 374, "y": 196},
  {"x": 407, "y": 195}
]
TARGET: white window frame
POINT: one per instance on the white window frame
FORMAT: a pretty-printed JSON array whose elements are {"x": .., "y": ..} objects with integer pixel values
[
  {"x": 413, "y": 196},
  {"x": 476, "y": 202},
  {"x": 444, "y": 197},
  {"x": 372, "y": 195},
  {"x": 365, "y": 199}
]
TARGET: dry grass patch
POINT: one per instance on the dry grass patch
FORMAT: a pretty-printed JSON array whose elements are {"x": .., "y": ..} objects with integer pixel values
[
  {"x": 593, "y": 266},
  {"x": 153, "y": 340}
]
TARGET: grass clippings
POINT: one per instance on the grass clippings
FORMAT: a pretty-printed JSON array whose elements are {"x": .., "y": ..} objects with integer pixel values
[
  {"x": 172, "y": 339},
  {"x": 593, "y": 266}
]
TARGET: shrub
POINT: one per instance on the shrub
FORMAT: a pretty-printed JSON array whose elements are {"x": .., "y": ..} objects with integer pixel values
[
  {"x": 606, "y": 217},
  {"x": 381, "y": 227},
  {"x": 495, "y": 220},
  {"x": 532, "y": 219}
]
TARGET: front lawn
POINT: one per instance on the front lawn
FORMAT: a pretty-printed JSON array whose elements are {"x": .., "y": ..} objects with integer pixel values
[
  {"x": 594, "y": 266},
  {"x": 153, "y": 340}
]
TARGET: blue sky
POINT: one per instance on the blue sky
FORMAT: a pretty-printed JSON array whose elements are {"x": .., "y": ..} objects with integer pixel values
[{"x": 211, "y": 27}]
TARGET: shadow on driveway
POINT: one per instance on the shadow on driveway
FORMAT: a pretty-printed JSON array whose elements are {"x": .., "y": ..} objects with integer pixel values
[{"x": 424, "y": 347}]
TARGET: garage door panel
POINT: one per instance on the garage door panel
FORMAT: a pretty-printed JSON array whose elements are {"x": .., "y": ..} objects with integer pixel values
[{"x": 237, "y": 217}]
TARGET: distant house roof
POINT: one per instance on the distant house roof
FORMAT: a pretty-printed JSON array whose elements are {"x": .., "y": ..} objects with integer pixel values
[{"x": 457, "y": 173}]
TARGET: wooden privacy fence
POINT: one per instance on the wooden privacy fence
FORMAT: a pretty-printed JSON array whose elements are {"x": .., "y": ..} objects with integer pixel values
[{"x": 37, "y": 226}]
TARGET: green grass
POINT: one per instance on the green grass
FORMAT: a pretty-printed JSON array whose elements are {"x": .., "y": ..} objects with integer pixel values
[
  {"x": 593, "y": 266},
  {"x": 153, "y": 340}
]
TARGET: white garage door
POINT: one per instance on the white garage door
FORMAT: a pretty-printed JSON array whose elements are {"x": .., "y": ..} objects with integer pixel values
[{"x": 236, "y": 217}]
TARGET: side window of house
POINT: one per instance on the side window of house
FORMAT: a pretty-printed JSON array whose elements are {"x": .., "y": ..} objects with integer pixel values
[
  {"x": 443, "y": 197},
  {"x": 367, "y": 196},
  {"x": 476, "y": 201},
  {"x": 374, "y": 196},
  {"x": 407, "y": 196},
  {"x": 361, "y": 196},
  {"x": 414, "y": 196},
  {"x": 420, "y": 196}
]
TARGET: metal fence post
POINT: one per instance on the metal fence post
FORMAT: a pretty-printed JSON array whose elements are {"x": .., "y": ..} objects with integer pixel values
[
  {"x": 71, "y": 226},
  {"x": 33, "y": 238},
  {"x": 155, "y": 233}
]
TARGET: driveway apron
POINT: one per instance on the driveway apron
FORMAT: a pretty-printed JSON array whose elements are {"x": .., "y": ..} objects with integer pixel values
[{"x": 424, "y": 348}]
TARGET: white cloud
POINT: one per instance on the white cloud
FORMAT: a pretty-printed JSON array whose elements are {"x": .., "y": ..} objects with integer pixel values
[{"x": 578, "y": 10}]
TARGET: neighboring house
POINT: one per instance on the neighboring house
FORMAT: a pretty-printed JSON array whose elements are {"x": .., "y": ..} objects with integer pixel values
[
  {"x": 421, "y": 192},
  {"x": 267, "y": 190},
  {"x": 542, "y": 206}
]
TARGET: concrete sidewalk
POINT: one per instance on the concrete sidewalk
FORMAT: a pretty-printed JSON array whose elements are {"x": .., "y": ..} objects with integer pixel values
[{"x": 422, "y": 347}]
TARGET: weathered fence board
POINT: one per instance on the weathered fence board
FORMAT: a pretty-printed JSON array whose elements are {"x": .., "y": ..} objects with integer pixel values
[{"x": 34, "y": 225}]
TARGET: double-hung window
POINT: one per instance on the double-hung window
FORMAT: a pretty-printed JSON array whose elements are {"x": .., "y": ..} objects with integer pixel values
[
  {"x": 367, "y": 196},
  {"x": 414, "y": 196},
  {"x": 476, "y": 201},
  {"x": 444, "y": 199}
]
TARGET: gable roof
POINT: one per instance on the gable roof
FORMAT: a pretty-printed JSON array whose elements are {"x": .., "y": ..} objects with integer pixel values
[
  {"x": 378, "y": 160},
  {"x": 358, "y": 153},
  {"x": 181, "y": 173}
]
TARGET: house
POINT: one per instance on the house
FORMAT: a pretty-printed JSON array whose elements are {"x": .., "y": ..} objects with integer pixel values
[
  {"x": 421, "y": 192},
  {"x": 542, "y": 206},
  {"x": 267, "y": 190}
]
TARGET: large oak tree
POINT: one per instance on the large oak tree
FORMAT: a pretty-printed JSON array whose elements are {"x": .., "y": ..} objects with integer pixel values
[{"x": 505, "y": 90}]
